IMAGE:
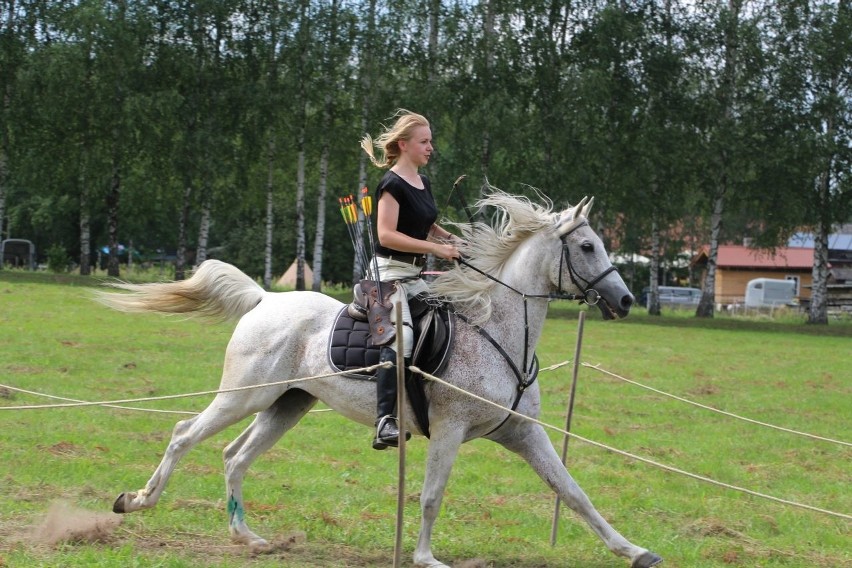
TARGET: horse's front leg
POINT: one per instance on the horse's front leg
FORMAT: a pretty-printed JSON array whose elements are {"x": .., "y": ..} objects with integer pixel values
[
  {"x": 531, "y": 442},
  {"x": 266, "y": 429},
  {"x": 443, "y": 449}
]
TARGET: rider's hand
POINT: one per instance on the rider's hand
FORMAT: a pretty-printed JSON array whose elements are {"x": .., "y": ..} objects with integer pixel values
[{"x": 446, "y": 251}]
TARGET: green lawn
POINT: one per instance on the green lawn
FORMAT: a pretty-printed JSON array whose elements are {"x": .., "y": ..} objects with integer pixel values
[{"x": 327, "y": 499}]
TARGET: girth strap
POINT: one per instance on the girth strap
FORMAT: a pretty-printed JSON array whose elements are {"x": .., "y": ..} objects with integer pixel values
[{"x": 525, "y": 380}]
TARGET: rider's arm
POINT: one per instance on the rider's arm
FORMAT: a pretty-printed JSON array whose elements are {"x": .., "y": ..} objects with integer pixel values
[{"x": 386, "y": 221}]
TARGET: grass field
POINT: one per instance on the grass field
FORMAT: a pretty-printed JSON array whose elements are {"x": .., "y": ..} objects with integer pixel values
[{"x": 326, "y": 499}]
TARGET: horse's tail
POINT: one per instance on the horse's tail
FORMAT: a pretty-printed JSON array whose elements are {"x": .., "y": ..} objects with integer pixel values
[{"x": 217, "y": 290}]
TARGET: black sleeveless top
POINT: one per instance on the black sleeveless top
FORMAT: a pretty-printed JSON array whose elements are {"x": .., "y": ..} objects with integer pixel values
[{"x": 417, "y": 210}]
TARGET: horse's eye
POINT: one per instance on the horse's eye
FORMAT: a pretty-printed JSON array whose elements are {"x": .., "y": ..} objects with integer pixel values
[{"x": 587, "y": 247}]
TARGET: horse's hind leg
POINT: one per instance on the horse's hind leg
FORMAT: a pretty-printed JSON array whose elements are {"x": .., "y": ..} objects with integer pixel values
[
  {"x": 531, "y": 442},
  {"x": 226, "y": 409},
  {"x": 266, "y": 429},
  {"x": 443, "y": 449}
]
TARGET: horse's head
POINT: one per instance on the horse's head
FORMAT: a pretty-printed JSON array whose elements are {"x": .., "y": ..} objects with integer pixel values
[
  {"x": 584, "y": 266},
  {"x": 566, "y": 256}
]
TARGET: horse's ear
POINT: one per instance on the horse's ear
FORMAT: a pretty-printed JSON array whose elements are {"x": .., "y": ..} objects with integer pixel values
[
  {"x": 588, "y": 208},
  {"x": 578, "y": 209},
  {"x": 571, "y": 214}
]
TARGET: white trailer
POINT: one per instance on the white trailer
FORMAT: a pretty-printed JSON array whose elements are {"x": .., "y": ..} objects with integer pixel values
[{"x": 768, "y": 292}]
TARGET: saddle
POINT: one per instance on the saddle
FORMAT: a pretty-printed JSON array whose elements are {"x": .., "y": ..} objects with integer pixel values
[{"x": 351, "y": 346}]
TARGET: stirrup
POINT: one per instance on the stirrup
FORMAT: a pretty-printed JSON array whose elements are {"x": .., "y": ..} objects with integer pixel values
[{"x": 389, "y": 438}]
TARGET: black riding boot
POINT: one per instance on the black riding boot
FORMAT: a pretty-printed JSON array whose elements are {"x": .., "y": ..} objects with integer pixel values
[{"x": 387, "y": 430}]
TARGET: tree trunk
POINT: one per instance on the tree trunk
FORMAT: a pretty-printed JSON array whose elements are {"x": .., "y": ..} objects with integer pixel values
[
  {"x": 319, "y": 236},
  {"x": 4, "y": 175},
  {"x": 4, "y": 163},
  {"x": 204, "y": 229},
  {"x": 708, "y": 295},
  {"x": 300, "y": 212},
  {"x": 183, "y": 229},
  {"x": 112, "y": 201},
  {"x": 331, "y": 72},
  {"x": 5, "y": 140},
  {"x": 818, "y": 310},
  {"x": 358, "y": 269},
  {"x": 367, "y": 70},
  {"x": 434, "y": 32},
  {"x": 654, "y": 284},
  {"x": 302, "y": 101},
  {"x": 85, "y": 230},
  {"x": 728, "y": 96},
  {"x": 488, "y": 33},
  {"x": 270, "y": 217}
]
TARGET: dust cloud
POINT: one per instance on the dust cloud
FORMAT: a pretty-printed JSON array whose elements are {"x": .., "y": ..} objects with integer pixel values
[{"x": 65, "y": 523}]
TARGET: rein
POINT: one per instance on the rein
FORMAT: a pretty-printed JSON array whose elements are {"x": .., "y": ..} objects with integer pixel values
[{"x": 589, "y": 296}]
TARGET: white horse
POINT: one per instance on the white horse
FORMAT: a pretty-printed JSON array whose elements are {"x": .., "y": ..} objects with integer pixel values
[{"x": 530, "y": 255}]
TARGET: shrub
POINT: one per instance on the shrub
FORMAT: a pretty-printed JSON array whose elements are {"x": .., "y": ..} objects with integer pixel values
[{"x": 57, "y": 259}]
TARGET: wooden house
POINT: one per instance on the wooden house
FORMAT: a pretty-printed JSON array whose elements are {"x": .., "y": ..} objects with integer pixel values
[{"x": 736, "y": 265}]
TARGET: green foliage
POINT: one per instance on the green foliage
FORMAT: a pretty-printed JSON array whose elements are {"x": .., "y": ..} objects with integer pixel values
[
  {"x": 324, "y": 491},
  {"x": 203, "y": 106},
  {"x": 57, "y": 259}
]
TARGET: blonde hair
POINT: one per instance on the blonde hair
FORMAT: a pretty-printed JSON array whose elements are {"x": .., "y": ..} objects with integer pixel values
[{"x": 388, "y": 141}]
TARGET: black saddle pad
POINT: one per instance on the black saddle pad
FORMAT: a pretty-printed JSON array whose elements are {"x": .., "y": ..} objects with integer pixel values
[{"x": 349, "y": 345}]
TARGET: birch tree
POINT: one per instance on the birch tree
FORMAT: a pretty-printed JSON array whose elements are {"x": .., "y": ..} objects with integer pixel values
[
  {"x": 719, "y": 138},
  {"x": 303, "y": 37},
  {"x": 329, "y": 84},
  {"x": 816, "y": 40}
]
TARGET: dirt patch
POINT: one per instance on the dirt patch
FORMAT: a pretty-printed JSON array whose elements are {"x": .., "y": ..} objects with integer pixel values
[
  {"x": 704, "y": 389},
  {"x": 64, "y": 523},
  {"x": 63, "y": 449},
  {"x": 475, "y": 563}
]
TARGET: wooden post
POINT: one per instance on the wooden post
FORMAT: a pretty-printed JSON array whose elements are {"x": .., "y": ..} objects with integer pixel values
[
  {"x": 400, "y": 417},
  {"x": 565, "y": 438}
]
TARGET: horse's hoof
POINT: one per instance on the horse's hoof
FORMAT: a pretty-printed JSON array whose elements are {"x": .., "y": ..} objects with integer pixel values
[
  {"x": 119, "y": 505},
  {"x": 259, "y": 546},
  {"x": 646, "y": 560}
]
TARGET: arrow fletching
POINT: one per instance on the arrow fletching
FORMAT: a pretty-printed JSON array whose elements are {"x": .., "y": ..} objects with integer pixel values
[{"x": 366, "y": 201}]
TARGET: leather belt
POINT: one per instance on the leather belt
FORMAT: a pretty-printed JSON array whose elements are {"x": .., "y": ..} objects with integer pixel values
[{"x": 415, "y": 259}]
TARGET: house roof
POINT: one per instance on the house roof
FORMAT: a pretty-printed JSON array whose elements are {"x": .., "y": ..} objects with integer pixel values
[
  {"x": 736, "y": 256},
  {"x": 836, "y": 241}
]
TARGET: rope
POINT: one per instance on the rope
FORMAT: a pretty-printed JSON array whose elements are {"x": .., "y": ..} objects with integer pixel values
[
  {"x": 188, "y": 395},
  {"x": 555, "y": 366},
  {"x": 633, "y": 456},
  {"x": 114, "y": 403},
  {"x": 154, "y": 410},
  {"x": 135, "y": 408},
  {"x": 698, "y": 404},
  {"x": 34, "y": 393}
]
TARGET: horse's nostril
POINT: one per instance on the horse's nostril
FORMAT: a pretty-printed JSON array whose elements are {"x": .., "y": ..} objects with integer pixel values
[{"x": 626, "y": 302}]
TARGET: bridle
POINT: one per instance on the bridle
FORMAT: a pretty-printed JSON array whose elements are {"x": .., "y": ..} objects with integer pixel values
[
  {"x": 527, "y": 374},
  {"x": 589, "y": 295}
]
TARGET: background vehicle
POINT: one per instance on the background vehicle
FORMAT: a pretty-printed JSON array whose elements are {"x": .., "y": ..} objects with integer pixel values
[
  {"x": 673, "y": 296},
  {"x": 766, "y": 292}
]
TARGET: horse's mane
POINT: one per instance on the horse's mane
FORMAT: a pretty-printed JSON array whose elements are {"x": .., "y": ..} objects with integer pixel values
[{"x": 487, "y": 247}]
